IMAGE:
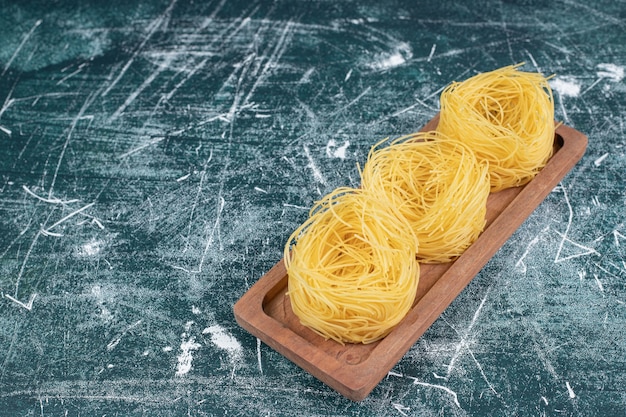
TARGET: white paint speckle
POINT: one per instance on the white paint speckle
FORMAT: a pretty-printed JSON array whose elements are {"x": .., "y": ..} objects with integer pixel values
[
  {"x": 566, "y": 86},
  {"x": 398, "y": 56},
  {"x": 188, "y": 325},
  {"x": 317, "y": 174},
  {"x": 5, "y": 130},
  {"x": 598, "y": 161},
  {"x": 390, "y": 61},
  {"x": 432, "y": 52},
  {"x": 186, "y": 357},
  {"x": 168, "y": 349},
  {"x": 335, "y": 151},
  {"x": 195, "y": 310},
  {"x": 223, "y": 340},
  {"x": 105, "y": 313},
  {"x": 611, "y": 72},
  {"x": 91, "y": 248},
  {"x": 598, "y": 282},
  {"x": 401, "y": 408},
  {"x": 306, "y": 78},
  {"x": 570, "y": 391},
  {"x": 187, "y": 346}
]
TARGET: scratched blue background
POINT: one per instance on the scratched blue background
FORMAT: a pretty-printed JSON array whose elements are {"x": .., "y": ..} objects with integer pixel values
[{"x": 154, "y": 157}]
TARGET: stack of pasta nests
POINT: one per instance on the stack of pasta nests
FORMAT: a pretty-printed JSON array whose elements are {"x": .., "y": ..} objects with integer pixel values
[{"x": 354, "y": 264}]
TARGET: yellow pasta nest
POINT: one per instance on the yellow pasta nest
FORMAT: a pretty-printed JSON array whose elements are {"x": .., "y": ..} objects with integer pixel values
[
  {"x": 352, "y": 269},
  {"x": 507, "y": 117},
  {"x": 353, "y": 264},
  {"x": 437, "y": 184}
]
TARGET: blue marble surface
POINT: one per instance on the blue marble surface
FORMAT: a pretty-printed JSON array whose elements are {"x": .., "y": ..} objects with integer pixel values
[{"x": 156, "y": 155}]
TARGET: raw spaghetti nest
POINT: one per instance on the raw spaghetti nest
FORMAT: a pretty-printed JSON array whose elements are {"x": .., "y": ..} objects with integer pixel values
[
  {"x": 352, "y": 269},
  {"x": 437, "y": 184},
  {"x": 353, "y": 264},
  {"x": 507, "y": 117}
]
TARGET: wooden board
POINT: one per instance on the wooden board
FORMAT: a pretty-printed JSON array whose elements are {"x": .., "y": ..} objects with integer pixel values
[{"x": 355, "y": 369}]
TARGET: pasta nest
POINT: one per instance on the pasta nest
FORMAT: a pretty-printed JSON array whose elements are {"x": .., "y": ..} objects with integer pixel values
[
  {"x": 352, "y": 269},
  {"x": 437, "y": 184},
  {"x": 507, "y": 117}
]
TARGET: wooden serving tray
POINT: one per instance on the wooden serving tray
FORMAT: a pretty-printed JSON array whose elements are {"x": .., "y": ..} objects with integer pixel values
[{"x": 355, "y": 369}]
